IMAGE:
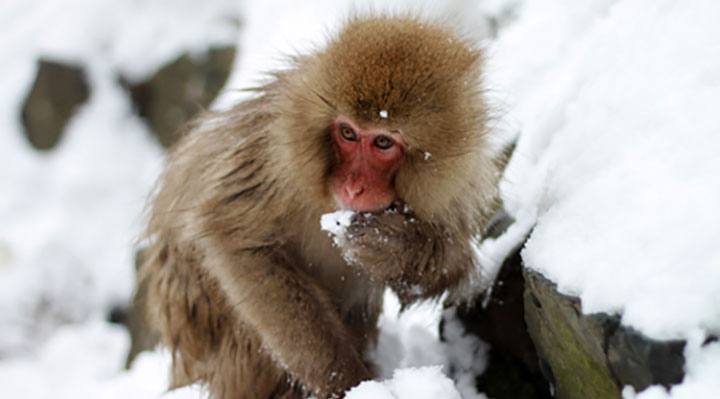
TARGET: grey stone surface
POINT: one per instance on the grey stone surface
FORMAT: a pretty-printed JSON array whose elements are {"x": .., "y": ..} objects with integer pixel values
[
  {"x": 570, "y": 345},
  {"x": 641, "y": 362},
  {"x": 593, "y": 356}
]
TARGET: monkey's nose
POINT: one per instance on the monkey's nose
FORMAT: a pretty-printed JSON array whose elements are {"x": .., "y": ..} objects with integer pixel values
[{"x": 354, "y": 191}]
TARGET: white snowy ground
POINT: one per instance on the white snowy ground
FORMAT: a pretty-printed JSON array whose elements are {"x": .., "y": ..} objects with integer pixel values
[{"x": 617, "y": 104}]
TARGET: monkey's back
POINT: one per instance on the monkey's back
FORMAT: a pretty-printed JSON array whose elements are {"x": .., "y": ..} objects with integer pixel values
[{"x": 216, "y": 164}]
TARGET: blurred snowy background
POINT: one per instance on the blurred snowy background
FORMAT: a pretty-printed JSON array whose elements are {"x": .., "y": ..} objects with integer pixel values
[{"x": 616, "y": 172}]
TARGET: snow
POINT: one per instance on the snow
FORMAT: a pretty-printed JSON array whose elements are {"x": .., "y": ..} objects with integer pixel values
[
  {"x": 408, "y": 345},
  {"x": 616, "y": 168},
  {"x": 615, "y": 176},
  {"x": 59, "y": 264},
  {"x": 272, "y": 28},
  {"x": 336, "y": 223},
  {"x": 86, "y": 360},
  {"x": 70, "y": 217},
  {"x": 422, "y": 383}
]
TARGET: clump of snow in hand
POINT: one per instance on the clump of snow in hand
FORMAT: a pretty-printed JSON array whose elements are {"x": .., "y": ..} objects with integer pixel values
[
  {"x": 336, "y": 223},
  {"x": 616, "y": 165}
]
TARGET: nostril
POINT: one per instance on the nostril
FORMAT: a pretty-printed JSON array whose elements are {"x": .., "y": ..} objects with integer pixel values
[{"x": 353, "y": 192}]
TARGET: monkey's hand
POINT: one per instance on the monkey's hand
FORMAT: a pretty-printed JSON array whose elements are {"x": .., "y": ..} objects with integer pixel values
[{"x": 417, "y": 259}]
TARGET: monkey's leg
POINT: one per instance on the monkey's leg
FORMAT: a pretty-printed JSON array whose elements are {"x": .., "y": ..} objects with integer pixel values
[
  {"x": 208, "y": 344},
  {"x": 297, "y": 323},
  {"x": 240, "y": 368}
]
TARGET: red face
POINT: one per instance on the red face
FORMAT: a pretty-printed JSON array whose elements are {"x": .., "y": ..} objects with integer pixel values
[{"x": 369, "y": 158}]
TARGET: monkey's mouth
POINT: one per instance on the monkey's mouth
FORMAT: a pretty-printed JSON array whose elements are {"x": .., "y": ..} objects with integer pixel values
[
  {"x": 399, "y": 207},
  {"x": 368, "y": 199},
  {"x": 395, "y": 206}
]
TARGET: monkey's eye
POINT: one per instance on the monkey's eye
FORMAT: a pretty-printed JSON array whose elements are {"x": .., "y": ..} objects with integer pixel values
[
  {"x": 383, "y": 142},
  {"x": 347, "y": 133}
]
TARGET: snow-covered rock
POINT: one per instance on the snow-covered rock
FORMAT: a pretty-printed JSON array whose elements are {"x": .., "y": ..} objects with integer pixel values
[{"x": 615, "y": 168}]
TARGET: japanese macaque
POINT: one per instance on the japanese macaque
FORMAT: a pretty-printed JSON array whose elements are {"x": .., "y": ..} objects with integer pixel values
[{"x": 251, "y": 297}]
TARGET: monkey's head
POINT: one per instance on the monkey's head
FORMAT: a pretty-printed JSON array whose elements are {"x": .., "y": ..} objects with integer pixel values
[{"x": 391, "y": 110}]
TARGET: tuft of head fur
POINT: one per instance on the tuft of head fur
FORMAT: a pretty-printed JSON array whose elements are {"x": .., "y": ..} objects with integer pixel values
[
  {"x": 411, "y": 76},
  {"x": 408, "y": 75}
]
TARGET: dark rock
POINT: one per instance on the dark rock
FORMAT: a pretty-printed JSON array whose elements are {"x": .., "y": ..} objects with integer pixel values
[
  {"x": 513, "y": 370},
  {"x": 593, "y": 356},
  {"x": 118, "y": 314},
  {"x": 132, "y": 315},
  {"x": 500, "y": 320},
  {"x": 539, "y": 338},
  {"x": 57, "y": 92},
  {"x": 507, "y": 377},
  {"x": 641, "y": 362},
  {"x": 180, "y": 90},
  {"x": 571, "y": 344}
]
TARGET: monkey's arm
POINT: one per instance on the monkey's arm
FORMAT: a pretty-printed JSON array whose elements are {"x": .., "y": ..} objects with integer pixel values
[
  {"x": 417, "y": 259},
  {"x": 294, "y": 317}
]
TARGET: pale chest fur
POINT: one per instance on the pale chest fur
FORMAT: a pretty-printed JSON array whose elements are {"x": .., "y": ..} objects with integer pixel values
[{"x": 324, "y": 262}]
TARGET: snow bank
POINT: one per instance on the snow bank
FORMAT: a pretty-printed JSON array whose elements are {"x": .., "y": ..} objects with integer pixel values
[{"x": 617, "y": 165}]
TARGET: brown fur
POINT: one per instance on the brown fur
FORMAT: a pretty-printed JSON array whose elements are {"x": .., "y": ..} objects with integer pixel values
[{"x": 246, "y": 291}]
